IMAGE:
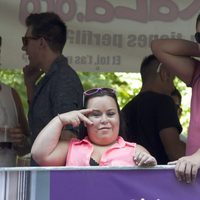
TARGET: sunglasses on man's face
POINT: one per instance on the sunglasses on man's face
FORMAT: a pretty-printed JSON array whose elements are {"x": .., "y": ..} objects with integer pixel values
[
  {"x": 197, "y": 37},
  {"x": 25, "y": 39}
]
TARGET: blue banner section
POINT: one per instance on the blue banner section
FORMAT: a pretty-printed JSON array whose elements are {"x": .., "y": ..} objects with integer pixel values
[{"x": 121, "y": 184}]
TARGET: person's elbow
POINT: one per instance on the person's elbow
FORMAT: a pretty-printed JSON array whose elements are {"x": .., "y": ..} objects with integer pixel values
[
  {"x": 155, "y": 46},
  {"x": 37, "y": 157}
]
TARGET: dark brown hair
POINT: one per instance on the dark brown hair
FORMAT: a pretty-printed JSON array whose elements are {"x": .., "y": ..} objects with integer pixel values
[{"x": 49, "y": 26}]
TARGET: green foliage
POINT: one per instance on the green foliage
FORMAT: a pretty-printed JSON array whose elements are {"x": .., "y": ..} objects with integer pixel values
[
  {"x": 185, "y": 104},
  {"x": 14, "y": 78},
  {"x": 121, "y": 82},
  {"x": 127, "y": 85}
]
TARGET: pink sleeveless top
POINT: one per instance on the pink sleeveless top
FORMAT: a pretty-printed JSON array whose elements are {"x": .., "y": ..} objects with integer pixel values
[
  {"x": 193, "y": 141},
  {"x": 119, "y": 154}
]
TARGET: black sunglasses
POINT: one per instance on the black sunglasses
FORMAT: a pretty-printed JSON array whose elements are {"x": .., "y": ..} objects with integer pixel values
[
  {"x": 25, "y": 39},
  {"x": 197, "y": 37}
]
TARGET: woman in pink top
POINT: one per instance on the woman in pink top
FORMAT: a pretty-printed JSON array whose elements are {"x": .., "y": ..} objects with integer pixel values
[
  {"x": 100, "y": 144},
  {"x": 178, "y": 55}
]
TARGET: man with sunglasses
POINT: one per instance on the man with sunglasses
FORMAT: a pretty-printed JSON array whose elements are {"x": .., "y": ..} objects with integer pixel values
[
  {"x": 52, "y": 85},
  {"x": 151, "y": 118},
  {"x": 179, "y": 57}
]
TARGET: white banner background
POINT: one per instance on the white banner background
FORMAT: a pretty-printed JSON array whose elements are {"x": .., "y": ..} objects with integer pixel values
[{"x": 103, "y": 35}]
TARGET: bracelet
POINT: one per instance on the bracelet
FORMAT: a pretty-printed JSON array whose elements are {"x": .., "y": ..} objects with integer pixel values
[{"x": 60, "y": 119}]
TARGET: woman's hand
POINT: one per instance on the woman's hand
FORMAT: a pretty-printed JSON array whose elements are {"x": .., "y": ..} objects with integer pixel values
[
  {"x": 144, "y": 159},
  {"x": 16, "y": 135},
  {"x": 75, "y": 117},
  {"x": 21, "y": 142}
]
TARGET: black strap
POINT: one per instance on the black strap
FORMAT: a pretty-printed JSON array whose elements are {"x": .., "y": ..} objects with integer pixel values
[{"x": 4, "y": 145}]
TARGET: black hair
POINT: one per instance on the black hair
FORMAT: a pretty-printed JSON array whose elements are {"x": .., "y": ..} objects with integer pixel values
[
  {"x": 83, "y": 130},
  {"x": 198, "y": 20},
  {"x": 176, "y": 92},
  {"x": 49, "y": 26},
  {"x": 148, "y": 69}
]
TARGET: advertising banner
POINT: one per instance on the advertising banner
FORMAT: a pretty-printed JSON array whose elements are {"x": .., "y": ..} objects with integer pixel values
[
  {"x": 103, "y": 35},
  {"x": 99, "y": 183},
  {"x": 121, "y": 185}
]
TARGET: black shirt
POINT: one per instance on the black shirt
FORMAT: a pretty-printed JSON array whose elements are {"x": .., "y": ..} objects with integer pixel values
[{"x": 145, "y": 116}]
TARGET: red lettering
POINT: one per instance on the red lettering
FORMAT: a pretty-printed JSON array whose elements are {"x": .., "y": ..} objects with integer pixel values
[
  {"x": 139, "y": 14},
  {"x": 24, "y": 9},
  {"x": 190, "y": 11},
  {"x": 93, "y": 5},
  {"x": 104, "y": 11},
  {"x": 155, "y": 13},
  {"x": 52, "y": 5},
  {"x": 66, "y": 16}
]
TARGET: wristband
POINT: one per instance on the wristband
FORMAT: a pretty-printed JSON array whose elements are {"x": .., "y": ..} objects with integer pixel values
[{"x": 60, "y": 119}]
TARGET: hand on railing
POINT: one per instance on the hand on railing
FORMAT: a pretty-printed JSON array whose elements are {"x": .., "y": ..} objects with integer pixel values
[{"x": 144, "y": 159}]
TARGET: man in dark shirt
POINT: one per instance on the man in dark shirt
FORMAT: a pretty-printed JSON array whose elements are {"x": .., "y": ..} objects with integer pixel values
[
  {"x": 60, "y": 89},
  {"x": 151, "y": 117}
]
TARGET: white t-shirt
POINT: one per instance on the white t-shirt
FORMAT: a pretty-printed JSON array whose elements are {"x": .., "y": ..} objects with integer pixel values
[{"x": 8, "y": 119}]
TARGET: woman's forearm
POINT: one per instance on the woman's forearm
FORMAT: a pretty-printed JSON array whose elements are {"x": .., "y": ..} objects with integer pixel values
[{"x": 47, "y": 140}]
